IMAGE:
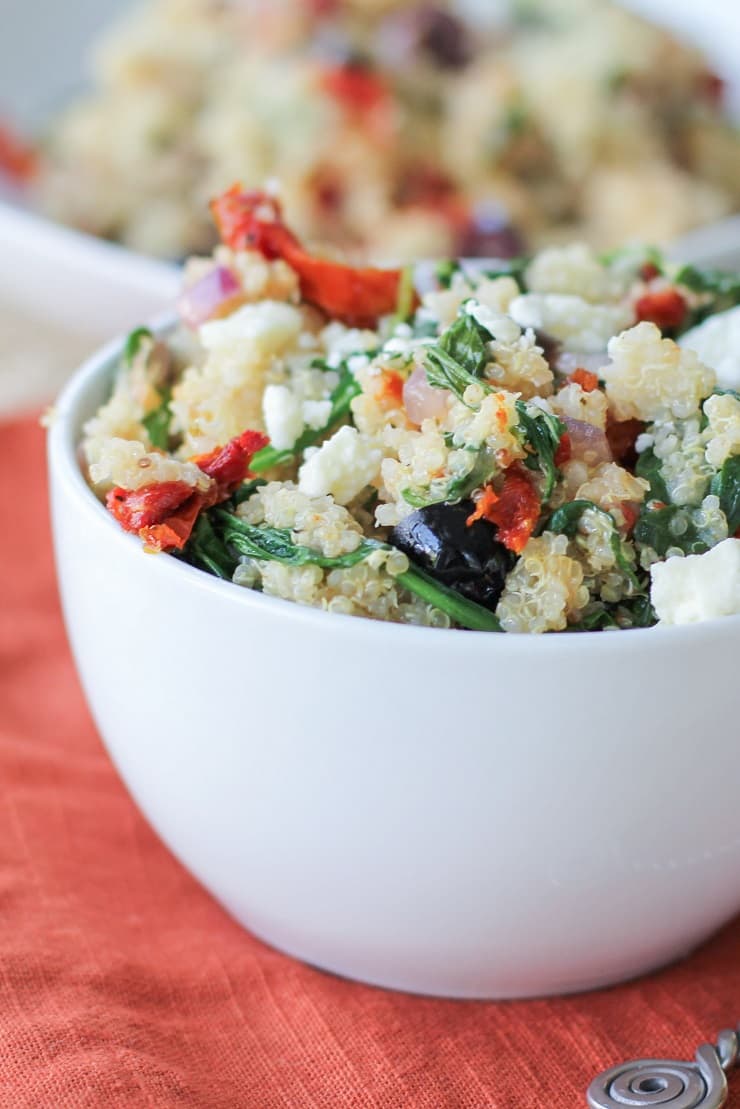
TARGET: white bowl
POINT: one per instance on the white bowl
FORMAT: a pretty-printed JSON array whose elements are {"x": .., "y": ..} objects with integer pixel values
[{"x": 447, "y": 812}]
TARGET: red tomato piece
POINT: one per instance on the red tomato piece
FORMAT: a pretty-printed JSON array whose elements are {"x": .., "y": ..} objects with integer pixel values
[
  {"x": 151, "y": 504},
  {"x": 515, "y": 510},
  {"x": 357, "y": 296},
  {"x": 666, "y": 308},
  {"x": 229, "y": 465},
  {"x": 587, "y": 380}
]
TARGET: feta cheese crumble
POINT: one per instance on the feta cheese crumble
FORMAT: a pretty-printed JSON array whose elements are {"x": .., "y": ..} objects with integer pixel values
[
  {"x": 717, "y": 342},
  {"x": 270, "y": 324},
  {"x": 697, "y": 587},
  {"x": 571, "y": 319},
  {"x": 342, "y": 466}
]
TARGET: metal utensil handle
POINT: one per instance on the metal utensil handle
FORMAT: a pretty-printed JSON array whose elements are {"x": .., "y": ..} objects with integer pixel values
[{"x": 654, "y": 1082}]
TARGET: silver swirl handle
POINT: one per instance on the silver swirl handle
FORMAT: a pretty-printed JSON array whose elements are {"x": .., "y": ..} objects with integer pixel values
[{"x": 678, "y": 1085}]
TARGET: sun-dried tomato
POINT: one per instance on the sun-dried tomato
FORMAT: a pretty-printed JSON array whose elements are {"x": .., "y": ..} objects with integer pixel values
[
  {"x": 587, "y": 380},
  {"x": 141, "y": 508},
  {"x": 515, "y": 509},
  {"x": 163, "y": 513},
  {"x": 229, "y": 465},
  {"x": 356, "y": 87},
  {"x": 357, "y": 296},
  {"x": 666, "y": 308}
]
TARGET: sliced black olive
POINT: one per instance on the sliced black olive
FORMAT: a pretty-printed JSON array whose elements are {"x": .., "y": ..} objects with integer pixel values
[
  {"x": 468, "y": 559},
  {"x": 444, "y": 37}
]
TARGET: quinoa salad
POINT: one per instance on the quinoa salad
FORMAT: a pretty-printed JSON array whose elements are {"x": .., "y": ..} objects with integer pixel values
[
  {"x": 548, "y": 444},
  {"x": 399, "y": 129}
]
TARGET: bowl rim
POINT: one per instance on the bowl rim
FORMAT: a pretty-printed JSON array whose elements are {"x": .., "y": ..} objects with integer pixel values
[{"x": 65, "y": 468}]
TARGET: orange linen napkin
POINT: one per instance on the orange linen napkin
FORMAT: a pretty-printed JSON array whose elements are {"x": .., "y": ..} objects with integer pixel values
[{"x": 123, "y": 984}]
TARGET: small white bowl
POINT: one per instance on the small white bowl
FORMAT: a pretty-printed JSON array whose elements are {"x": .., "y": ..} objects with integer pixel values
[{"x": 447, "y": 812}]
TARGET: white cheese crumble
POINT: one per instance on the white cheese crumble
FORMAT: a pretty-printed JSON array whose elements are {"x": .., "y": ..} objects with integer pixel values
[
  {"x": 697, "y": 587},
  {"x": 342, "y": 466},
  {"x": 576, "y": 323},
  {"x": 717, "y": 342},
  {"x": 503, "y": 328},
  {"x": 269, "y": 324},
  {"x": 283, "y": 416}
]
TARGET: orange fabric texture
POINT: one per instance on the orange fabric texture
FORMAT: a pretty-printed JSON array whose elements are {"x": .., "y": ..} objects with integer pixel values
[{"x": 122, "y": 984}]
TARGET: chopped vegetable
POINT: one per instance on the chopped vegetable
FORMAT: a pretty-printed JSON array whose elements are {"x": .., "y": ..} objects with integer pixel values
[
  {"x": 357, "y": 296},
  {"x": 515, "y": 509}
]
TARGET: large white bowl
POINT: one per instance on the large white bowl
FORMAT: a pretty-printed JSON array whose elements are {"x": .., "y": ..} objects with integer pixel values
[{"x": 448, "y": 812}]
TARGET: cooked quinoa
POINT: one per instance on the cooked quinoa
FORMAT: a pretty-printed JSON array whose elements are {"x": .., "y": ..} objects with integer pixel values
[
  {"x": 400, "y": 129},
  {"x": 533, "y": 448}
]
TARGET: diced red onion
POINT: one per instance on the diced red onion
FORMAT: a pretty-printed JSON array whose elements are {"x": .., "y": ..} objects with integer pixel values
[
  {"x": 201, "y": 301},
  {"x": 587, "y": 443},
  {"x": 421, "y": 400},
  {"x": 568, "y": 361}
]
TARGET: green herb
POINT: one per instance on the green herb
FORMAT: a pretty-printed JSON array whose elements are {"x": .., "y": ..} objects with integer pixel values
[
  {"x": 541, "y": 432},
  {"x": 722, "y": 287},
  {"x": 341, "y": 398},
  {"x": 246, "y": 490},
  {"x": 726, "y": 486},
  {"x": 633, "y": 612},
  {"x": 717, "y": 282},
  {"x": 512, "y": 267},
  {"x": 133, "y": 343},
  {"x": 516, "y": 119},
  {"x": 275, "y": 545},
  {"x": 445, "y": 272},
  {"x": 459, "y": 358},
  {"x": 458, "y": 489},
  {"x": 207, "y": 551},
  {"x": 157, "y": 422},
  {"x": 405, "y": 296},
  {"x": 565, "y": 521},
  {"x": 464, "y": 612},
  {"x": 649, "y": 467},
  {"x": 656, "y": 528}
]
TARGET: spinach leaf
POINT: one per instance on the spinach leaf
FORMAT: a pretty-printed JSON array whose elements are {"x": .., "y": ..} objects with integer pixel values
[
  {"x": 464, "y": 612},
  {"x": 726, "y": 486},
  {"x": 245, "y": 491},
  {"x": 723, "y": 287},
  {"x": 207, "y": 551},
  {"x": 467, "y": 342},
  {"x": 512, "y": 267},
  {"x": 276, "y": 545},
  {"x": 565, "y": 520},
  {"x": 541, "y": 432},
  {"x": 445, "y": 271},
  {"x": 133, "y": 342},
  {"x": 459, "y": 358},
  {"x": 443, "y": 372},
  {"x": 157, "y": 422},
  {"x": 341, "y": 397},
  {"x": 650, "y": 468},
  {"x": 655, "y": 528}
]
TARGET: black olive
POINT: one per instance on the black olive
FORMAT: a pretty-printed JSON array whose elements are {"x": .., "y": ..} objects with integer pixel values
[
  {"x": 468, "y": 559},
  {"x": 489, "y": 234},
  {"x": 444, "y": 37},
  {"x": 425, "y": 29}
]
